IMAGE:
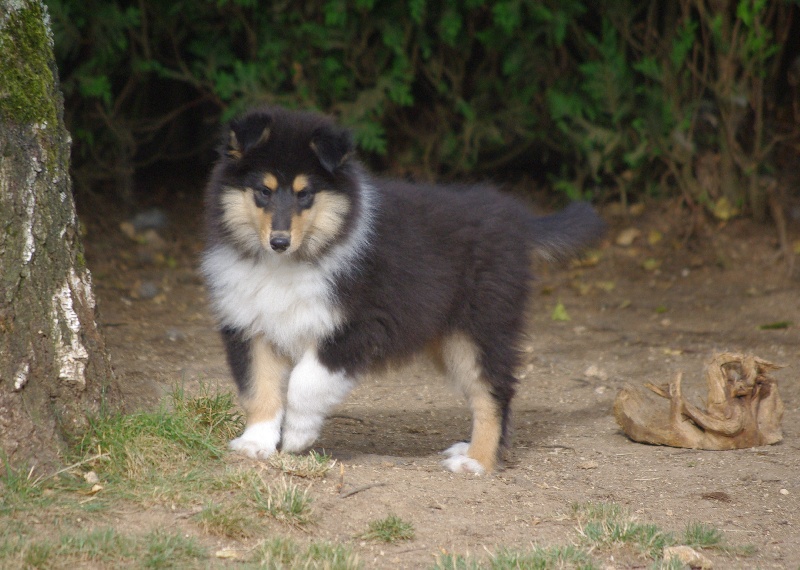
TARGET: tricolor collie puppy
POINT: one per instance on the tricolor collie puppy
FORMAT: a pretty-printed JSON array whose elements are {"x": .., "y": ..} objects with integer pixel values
[{"x": 319, "y": 272}]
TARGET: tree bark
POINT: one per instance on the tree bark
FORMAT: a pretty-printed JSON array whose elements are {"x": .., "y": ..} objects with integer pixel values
[{"x": 54, "y": 369}]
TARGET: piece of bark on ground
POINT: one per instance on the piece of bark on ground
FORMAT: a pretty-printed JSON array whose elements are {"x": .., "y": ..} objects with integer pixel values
[{"x": 744, "y": 408}]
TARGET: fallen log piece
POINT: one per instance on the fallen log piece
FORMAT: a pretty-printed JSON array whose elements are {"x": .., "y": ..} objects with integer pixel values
[{"x": 743, "y": 409}]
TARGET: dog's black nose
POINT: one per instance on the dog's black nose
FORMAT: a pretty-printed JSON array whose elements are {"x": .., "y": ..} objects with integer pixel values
[{"x": 279, "y": 243}]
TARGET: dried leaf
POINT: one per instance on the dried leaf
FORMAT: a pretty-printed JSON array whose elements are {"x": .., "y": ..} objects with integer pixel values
[
  {"x": 651, "y": 264},
  {"x": 560, "y": 313},
  {"x": 627, "y": 236},
  {"x": 724, "y": 210}
]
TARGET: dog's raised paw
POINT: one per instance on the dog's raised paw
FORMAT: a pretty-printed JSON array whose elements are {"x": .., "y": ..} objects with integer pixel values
[
  {"x": 258, "y": 441},
  {"x": 459, "y": 462}
]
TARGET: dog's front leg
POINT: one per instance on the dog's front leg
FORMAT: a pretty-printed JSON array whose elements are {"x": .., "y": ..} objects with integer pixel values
[
  {"x": 260, "y": 373},
  {"x": 313, "y": 391}
]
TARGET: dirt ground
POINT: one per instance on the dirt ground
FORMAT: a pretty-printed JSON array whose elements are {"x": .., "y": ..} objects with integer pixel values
[{"x": 641, "y": 313}]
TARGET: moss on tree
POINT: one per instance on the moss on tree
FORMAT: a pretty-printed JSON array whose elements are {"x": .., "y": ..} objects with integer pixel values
[{"x": 27, "y": 85}]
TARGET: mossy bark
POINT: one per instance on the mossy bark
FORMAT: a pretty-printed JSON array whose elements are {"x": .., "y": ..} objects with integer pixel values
[{"x": 54, "y": 369}]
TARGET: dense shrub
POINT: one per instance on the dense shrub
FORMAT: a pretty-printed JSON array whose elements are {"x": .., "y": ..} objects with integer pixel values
[{"x": 617, "y": 96}]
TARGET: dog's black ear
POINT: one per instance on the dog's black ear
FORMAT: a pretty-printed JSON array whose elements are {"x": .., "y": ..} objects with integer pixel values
[
  {"x": 247, "y": 132},
  {"x": 332, "y": 145}
]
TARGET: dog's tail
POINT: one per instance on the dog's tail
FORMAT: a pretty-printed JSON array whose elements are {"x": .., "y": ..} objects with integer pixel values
[{"x": 566, "y": 233}]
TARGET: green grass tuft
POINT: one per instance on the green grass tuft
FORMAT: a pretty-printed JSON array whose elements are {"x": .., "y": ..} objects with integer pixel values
[
  {"x": 605, "y": 525},
  {"x": 539, "y": 558},
  {"x": 284, "y": 501},
  {"x": 311, "y": 466},
  {"x": 455, "y": 562},
  {"x": 228, "y": 521},
  {"x": 285, "y": 554},
  {"x": 391, "y": 529},
  {"x": 701, "y": 535}
]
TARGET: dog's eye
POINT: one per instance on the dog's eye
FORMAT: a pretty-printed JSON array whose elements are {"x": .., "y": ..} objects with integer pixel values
[{"x": 304, "y": 198}]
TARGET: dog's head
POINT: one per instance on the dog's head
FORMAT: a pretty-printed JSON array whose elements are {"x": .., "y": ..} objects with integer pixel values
[{"x": 284, "y": 183}]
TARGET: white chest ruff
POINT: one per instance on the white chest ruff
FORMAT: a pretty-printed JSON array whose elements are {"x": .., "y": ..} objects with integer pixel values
[{"x": 289, "y": 303}]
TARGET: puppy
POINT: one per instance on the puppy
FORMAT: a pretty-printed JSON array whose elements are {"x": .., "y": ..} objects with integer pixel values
[{"x": 319, "y": 272}]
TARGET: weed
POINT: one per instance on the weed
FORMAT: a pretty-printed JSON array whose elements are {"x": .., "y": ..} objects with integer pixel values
[
  {"x": 285, "y": 554},
  {"x": 540, "y": 558},
  {"x": 311, "y": 466},
  {"x": 18, "y": 487},
  {"x": 165, "y": 550},
  {"x": 391, "y": 529},
  {"x": 455, "y": 562},
  {"x": 229, "y": 521},
  {"x": 215, "y": 412},
  {"x": 285, "y": 502},
  {"x": 604, "y": 525},
  {"x": 699, "y": 535}
]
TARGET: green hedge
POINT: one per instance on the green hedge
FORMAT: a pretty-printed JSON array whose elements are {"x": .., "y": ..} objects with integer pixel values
[{"x": 611, "y": 98}]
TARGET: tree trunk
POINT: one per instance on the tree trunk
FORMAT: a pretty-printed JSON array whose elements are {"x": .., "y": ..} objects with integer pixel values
[{"x": 54, "y": 370}]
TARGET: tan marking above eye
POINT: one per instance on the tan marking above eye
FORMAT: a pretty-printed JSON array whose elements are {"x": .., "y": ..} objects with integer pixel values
[
  {"x": 300, "y": 183},
  {"x": 270, "y": 181}
]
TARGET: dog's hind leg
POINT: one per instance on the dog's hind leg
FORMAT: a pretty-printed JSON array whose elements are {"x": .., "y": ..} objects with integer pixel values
[
  {"x": 313, "y": 391},
  {"x": 463, "y": 364},
  {"x": 260, "y": 374}
]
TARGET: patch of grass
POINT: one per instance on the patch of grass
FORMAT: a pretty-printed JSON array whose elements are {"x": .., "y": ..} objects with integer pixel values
[
  {"x": 285, "y": 554},
  {"x": 284, "y": 501},
  {"x": 104, "y": 548},
  {"x": 699, "y": 535},
  {"x": 17, "y": 487},
  {"x": 671, "y": 564},
  {"x": 228, "y": 521},
  {"x": 455, "y": 562},
  {"x": 311, "y": 466},
  {"x": 164, "y": 550},
  {"x": 391, "y": 529},
  {"x": 539, "y": 558},
  {"x": 216, "y": 413},
  {"x": 162, "y": 454},
  {"x": 605, "y": 525}
]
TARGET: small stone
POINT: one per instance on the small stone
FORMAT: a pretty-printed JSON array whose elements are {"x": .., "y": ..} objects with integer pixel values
[
  {"x": 147, "y": 290},
  {"x": 175, "y": 335},
  {"x": 154, "y": 218},
  {"x": 152, "y": 239},
  {"x": 627, "y": 236},
  {"x": 688, "y": 556},
  {"x": 588, "y": 465},
  {"x": 128, "y": 229},
  {"x": 91, "y": 477},
  {"x": 226, "y": 554},
  {"x": 594, "y": 372},
  {"x": 784, "y": 491}
]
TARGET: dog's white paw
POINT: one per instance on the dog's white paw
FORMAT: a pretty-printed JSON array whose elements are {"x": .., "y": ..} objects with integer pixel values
[
  {"x": 258, "y": 441},
  {"x": 459, "y": 462}
]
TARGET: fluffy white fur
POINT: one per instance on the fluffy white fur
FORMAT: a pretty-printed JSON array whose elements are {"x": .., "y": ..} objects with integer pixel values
[
  {"x": 313, "y": 392},
  {"x": 286, "y": 301},
  {"x": 259, "y": 440}
]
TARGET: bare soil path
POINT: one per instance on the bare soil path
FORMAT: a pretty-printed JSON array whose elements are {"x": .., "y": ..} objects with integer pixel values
[{"x": 641, "y": 313}]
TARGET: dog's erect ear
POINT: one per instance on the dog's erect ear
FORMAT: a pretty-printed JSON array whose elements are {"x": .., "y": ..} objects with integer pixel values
[
  {"x": 332, "y": 145},
  {"x": 248, "y": 132}
]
